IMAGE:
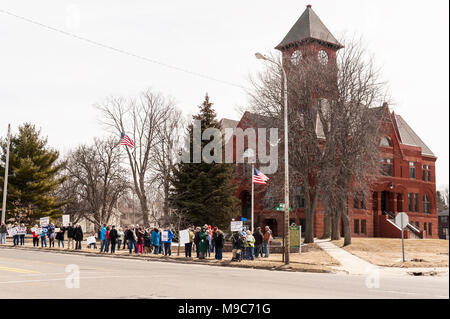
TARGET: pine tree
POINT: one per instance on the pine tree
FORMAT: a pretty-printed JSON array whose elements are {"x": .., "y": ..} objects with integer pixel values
[
  {"x": 33, "y": 176},
  {"x": 204, "y": 191}
]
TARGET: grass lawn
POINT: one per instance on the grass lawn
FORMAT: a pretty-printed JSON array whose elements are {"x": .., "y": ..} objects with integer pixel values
[{"x": 388, "y": 251}]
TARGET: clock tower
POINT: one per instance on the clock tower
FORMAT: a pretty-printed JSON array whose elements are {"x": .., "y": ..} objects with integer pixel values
[{"x": 308, "y": 38}]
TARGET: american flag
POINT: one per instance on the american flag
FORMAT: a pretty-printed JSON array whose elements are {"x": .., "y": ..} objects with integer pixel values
[
  {"x": 259, "y": 178},
  {"x": 125, "y": 140}
]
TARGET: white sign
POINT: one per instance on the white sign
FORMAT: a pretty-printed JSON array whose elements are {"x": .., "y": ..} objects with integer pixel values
[
  {"x": 38, "y": 231},
  {"x": 44, "y": 221},
  {"x": 65, "y": 220},
  {"x": 165, "y": 235},
  {"x": 12, "y": 231},
  {"x": 90, "y": 240},
  {"x": 22, "y": 231},
  {"x": 402, "y": 220},
  {"x": 184, "y": 236},
  {"x": 236, "y": 225},
  {"x": 57, "y": 230}
]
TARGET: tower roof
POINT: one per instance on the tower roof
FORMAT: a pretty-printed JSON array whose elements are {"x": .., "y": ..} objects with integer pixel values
[{"x": 308, "y": 26}]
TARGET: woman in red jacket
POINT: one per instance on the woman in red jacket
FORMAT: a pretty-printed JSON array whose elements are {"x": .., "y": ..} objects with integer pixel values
[{"x": 36, "y": 236}]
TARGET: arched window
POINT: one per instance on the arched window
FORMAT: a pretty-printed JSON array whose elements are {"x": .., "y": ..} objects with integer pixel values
[
  {"x": 269, "y": 199},
  {"x": 426, "y": 204},
  {"x": 385, "y": 142}
]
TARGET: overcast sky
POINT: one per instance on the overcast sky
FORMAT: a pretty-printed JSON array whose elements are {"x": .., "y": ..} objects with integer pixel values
[{"x": 53, "y": 80}]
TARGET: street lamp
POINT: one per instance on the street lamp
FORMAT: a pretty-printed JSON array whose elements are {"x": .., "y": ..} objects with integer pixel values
[{"x": 286, "y": 159}]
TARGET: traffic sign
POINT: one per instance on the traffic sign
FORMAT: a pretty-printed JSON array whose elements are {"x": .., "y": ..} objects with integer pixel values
[
  {"x": 281, "y": 209},
  {"x": 402, "y": 220}
]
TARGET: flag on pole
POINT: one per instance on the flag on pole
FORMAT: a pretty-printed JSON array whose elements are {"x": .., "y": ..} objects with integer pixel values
[
  {"x": 259, "y": 178},
  {"x": 125, "y": 140}
]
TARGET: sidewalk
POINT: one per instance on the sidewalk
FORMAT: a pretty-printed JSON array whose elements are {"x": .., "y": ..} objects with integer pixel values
[{"x": 354, "y": 265}]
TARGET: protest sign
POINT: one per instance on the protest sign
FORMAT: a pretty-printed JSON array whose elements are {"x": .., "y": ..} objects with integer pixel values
[
  {"x": 57, "y": 230},
  {"x": 236, "y": 225},
  {"x": 65, "y": 220},
  {"x": 165, "y": 236},
  {"x": 22, "y": 231},
  {"x": 12, "y": 231},
  {"x": 44, "y": 221},
  {"x": 90, "y": 240},
  {"x": 184, "y": 236}
]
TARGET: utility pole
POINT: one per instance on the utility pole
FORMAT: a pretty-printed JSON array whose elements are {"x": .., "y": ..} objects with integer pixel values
[{"x": 5, "y": 185}]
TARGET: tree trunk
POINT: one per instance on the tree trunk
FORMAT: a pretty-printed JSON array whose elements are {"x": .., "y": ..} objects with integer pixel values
[
  {"x": 335, "y": 227},
  {"x": 326, "y": 224},
  {"x": 346, "y": 226}
]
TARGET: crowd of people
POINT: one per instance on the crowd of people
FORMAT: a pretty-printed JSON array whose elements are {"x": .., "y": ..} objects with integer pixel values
[{"x": 204, "y": 241}]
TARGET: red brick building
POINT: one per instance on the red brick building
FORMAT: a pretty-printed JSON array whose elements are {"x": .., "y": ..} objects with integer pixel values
[{"x": 407, "y": 183}]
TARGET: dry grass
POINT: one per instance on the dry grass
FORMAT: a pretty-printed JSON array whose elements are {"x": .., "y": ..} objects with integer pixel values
[{"x": 388, "y": 251}]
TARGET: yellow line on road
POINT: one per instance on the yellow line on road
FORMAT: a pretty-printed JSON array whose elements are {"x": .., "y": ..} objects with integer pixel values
[{"x": 22, "y": 271}]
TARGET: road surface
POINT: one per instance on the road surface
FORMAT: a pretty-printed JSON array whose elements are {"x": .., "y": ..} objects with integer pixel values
[{"x": 36, "y": 274}]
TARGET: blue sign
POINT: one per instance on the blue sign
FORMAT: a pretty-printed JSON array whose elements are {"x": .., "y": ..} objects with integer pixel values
[{"x": 243, "y": 219}]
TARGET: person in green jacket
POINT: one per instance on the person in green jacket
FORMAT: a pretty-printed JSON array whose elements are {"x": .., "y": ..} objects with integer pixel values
[
  {"x": 203, "y": 243},
  {"x": 250, "y": 245}
]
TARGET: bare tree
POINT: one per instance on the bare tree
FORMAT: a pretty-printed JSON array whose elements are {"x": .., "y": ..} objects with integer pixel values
[
  {"x": 95, "y": 181},
  {"x": 141, "y": 118},
  {"x": 333, "y": 129}
]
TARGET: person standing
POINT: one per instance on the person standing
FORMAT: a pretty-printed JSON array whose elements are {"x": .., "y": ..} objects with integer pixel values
[
  {"x": 258, "y": 242},
  {"x": 213, "y": 241},
  {"x": 51, "y": 235},
  {"x": 78, "y": 236},
  {"x": 130, "y": 237},
  {"x": 44, "y": 237},
  {"x": 197, "y": 241},
  {"x": 124, "y": 239},
  {"x": 35, "y": 236},
  {"x": 155, "y": 240},
  {"x": 22, "y": 233},
  {"x": 203, "y": 246},
  {"x": 113, "y": 235},
  {"x": 3, "y": 232},
  {"x": 140, "y": 240},
  {"x": 250, "y": 245},
  {"x": 60, "y": 237},
  {"x": 188, "y": 246},
  {"x": 120, "y": 235},
  {"x": 147, "y": 241},
  {"x": 168, "y": 242},
  {"x": 16, "y": 235},
  {"x": 236, "y": 246},
  {"x": 266, "y": 241},
  {"x": 103, "y": 238},
  {"x": 218, "y": 244},
  {"x": 70, "y": 231}
]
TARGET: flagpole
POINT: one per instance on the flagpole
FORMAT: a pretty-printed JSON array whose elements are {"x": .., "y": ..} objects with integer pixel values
[{"x": 253, "y": 191}]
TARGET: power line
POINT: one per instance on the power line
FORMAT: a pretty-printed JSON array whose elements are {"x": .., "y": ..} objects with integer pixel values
[{"x": 118, "y": 50}]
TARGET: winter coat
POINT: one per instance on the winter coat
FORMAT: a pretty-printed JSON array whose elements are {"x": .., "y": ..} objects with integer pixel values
[
  {"x": 60, "y": 234},
  {"x": 203, "y": 241},
  {"x": 44, "y": 232},
  {"x": 103, "y": 233},
  {"x": 129, "y": 235},
  {"x": 238, "y": 241},
  {"x": 197, "y": 238},
  {"x": 113, "y": 235},
  {"x": 267, "y": 235},
  {"x": 170, "y": 237},
  {"x": 140, "y": 236},
  {"x": 258, "y": 237},
  {"x": 78, "y": 234},
  {"x": 155, "y": 238},
  {"x": 249, "y": 241},
  {"x": 147, "y": 239},
  {"x": 3, "y": 229},
  {"x": 70, "y": 231},
  {"x": 219, "y": 240}
]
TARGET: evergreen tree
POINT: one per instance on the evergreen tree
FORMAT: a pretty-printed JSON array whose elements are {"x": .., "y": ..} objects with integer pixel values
[
  {"x": 204, "y": 191},
  {"x": 33, "y": 176}
]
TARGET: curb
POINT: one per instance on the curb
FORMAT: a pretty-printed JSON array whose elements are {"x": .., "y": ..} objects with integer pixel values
[{"x": 165, "y": 259}]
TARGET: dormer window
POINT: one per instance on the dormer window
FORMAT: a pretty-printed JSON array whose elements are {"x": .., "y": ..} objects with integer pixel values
[{"x": 385, "y": 142}]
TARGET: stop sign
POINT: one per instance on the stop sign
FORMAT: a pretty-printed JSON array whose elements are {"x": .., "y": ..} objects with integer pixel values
[{"x": 401, "y": 220}]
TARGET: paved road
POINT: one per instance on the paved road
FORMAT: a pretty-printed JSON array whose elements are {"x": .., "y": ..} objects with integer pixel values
[{"x": 27, "y": 274}]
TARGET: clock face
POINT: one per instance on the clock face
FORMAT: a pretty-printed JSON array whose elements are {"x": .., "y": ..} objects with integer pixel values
[
  {"x": 323, "y": 57},
  {"x": 296, "y": 57}
]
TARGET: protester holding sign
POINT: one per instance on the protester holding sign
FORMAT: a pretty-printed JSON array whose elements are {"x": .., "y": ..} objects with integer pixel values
[
  {"x": 60, "y": 236},
  {"x": 15, "y": 234},
  {"x": 43, "y": 237},
  {"x": 168, "y": 234},
  {"x": 35, "y": 233},
  {"x": 22, "y": 232}
]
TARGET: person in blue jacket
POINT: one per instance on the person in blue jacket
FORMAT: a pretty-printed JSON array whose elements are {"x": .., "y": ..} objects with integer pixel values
[
  {"x": 44, "y": 237},
  {"x": 155, "y": 240},
  {"x": 103, "y": 238},
  {"x": 168, "y": 242}
]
